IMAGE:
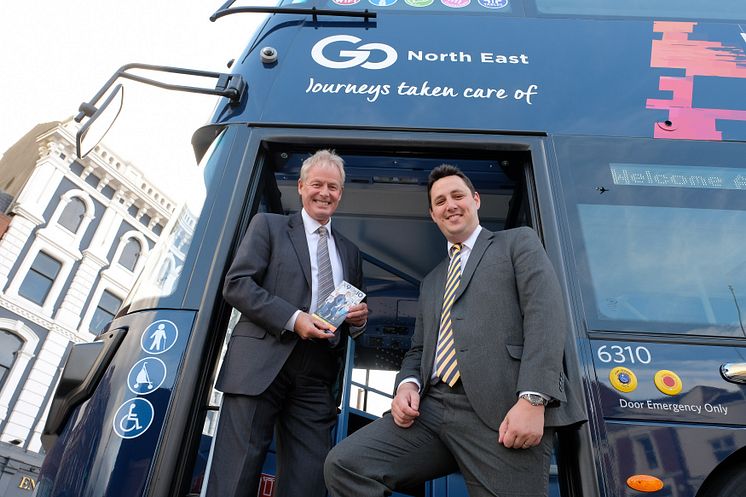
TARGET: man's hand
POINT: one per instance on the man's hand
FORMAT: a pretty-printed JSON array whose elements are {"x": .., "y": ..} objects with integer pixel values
[
  {"x": 307, "y": 326},
  {"x": 357, "y": 314},
  {"x": 406, "y": 405},
  {"x": 523, "y": 426}
]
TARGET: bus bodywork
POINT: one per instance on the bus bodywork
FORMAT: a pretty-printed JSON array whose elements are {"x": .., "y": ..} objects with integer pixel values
[{"x": 618, "y": 136}]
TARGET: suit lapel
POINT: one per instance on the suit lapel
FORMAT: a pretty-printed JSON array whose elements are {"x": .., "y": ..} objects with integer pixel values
[
  {"x": 440, "y": 288},
  {"x": 297, "y": 235},
  {"x": 344, "y": 256},
  {"x": 483, "y": 241},
  {"x": 430, "y": 336}
]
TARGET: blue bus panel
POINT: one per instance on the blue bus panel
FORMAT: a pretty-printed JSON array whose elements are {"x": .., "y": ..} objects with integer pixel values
[
  {"x": 111, "y": 438},
  {"x": 637, "y": 78}
]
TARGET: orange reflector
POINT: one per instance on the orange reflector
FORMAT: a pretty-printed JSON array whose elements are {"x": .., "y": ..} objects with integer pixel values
[{"x": 644, "y": 483}]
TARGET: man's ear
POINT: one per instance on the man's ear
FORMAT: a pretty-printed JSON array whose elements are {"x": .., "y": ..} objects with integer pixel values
[{"x": 477, "y": 200}]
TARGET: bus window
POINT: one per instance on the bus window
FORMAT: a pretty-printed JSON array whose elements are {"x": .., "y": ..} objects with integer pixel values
[
  {"x": 658, "y": 234},
  {"x": 163, "y": 269},
  {"x": 726, "y": 10},
  {"x": 368, "y": 396}
]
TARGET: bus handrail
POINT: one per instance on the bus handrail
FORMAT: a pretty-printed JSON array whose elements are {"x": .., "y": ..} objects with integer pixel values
[
  {"x": 222, "y": 12},
  {"x": 370, "y": 389}
]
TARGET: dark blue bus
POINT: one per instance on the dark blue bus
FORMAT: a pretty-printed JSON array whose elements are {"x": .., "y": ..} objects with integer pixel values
[{"x": 616, "y": 130}]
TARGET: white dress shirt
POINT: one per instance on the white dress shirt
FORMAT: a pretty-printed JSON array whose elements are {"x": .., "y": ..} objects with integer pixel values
[{"x": 310, "y": 225}]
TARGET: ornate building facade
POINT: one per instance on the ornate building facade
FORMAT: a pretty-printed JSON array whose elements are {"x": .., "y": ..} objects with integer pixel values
[{"x": 74, "y": 235}]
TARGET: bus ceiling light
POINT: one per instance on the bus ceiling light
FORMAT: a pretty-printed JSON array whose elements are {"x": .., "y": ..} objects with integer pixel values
[
  {"x": 401, "y": 180},
  {"x": 269, "y": 55},
  {"x": 644, "y": 483}
]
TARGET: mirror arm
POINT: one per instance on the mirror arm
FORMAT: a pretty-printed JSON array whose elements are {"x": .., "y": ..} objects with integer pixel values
[{"x": 231, "y": 86}]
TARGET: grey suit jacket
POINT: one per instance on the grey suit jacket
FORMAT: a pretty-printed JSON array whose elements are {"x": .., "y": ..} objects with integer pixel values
[
  {"x": 509, "y": 328},
  {"x": 269, "y": 279}
]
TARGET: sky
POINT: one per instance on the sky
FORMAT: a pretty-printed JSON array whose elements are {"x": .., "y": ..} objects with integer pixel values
[{"x": 56, "y": 54}]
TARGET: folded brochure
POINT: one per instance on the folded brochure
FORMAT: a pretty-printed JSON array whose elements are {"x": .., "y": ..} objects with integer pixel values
[{"x": 337, "y": 304}]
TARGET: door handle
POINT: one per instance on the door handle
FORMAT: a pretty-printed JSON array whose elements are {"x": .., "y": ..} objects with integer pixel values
[{"x": 734, "y": 372}]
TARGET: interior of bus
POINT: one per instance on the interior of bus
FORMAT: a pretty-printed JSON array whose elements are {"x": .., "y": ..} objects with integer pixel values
[{"x": 384, "y": 211}]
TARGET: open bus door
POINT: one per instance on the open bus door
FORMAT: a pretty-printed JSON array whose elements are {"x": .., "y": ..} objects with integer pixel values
[{"x": 154, "y": 442}]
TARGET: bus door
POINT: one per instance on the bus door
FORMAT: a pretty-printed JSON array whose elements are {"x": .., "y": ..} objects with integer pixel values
[
  {"x": 140, "y": 415},
  {"x": 656, "y": 232},
  {"x": 384, "y": 211}
]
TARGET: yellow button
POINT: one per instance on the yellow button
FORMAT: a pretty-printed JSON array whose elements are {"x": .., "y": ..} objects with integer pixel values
[
  {"x": 668, "y": 382},
  {"x": 623, "y": 379}
]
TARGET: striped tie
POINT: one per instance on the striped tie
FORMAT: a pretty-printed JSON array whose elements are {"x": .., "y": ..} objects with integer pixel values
[
  {"x": 446, "y": 366},
  {"x": 326, "y": 279}
]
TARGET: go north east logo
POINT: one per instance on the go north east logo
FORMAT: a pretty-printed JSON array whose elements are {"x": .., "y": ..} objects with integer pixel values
[{"x": 346, "y": 52}]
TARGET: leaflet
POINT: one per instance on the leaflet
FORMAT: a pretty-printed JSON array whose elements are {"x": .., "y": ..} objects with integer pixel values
[{"x": 337, "y": 304}]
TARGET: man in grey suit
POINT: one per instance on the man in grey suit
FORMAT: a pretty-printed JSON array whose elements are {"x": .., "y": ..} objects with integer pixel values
[
  {"x": 282, "y": 363},
  {"x": 482, "y": 387}
]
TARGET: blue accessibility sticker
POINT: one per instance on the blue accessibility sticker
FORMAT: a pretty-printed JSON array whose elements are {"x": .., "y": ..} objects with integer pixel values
[
  {"x": 146, "y": 376},
  {"x": 159, "y": 337},
  {"x": 133, "y": 418}
]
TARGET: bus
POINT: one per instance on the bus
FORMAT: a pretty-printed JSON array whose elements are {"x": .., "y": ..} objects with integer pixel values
[{"x": 615, "y": 130}]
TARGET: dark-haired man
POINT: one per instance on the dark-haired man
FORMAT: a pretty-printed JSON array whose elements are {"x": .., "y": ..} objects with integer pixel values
[{"x": 482, "y": 387}]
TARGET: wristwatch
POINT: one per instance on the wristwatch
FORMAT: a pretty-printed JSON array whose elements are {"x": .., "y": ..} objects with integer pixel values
[{"x": 534, "y": 399}]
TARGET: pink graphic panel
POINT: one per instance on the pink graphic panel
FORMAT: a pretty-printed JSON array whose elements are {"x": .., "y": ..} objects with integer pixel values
[{"x": 697, "y": 58}]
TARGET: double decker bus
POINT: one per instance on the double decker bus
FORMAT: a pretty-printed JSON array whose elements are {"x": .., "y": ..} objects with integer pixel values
[{"x": 616, "y": 130}]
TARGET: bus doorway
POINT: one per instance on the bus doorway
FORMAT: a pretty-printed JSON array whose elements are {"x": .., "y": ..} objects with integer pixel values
[{"x": 384, "y": 211}]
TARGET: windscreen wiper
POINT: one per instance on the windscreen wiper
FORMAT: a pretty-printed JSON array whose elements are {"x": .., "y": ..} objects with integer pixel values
[{"x": 227, "y": 10}]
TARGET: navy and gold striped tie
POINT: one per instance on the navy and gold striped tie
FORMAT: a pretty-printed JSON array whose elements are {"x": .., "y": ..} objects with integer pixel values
[{"x": 446, "y": 366}]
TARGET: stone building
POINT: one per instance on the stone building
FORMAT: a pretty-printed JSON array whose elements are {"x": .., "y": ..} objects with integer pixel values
[{"x": 74, "y": 235}]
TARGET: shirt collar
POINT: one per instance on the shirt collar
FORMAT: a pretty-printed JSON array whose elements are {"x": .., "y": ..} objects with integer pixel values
[
  {"x": 470, "y": 241},
  {"x": 311, "y": 225}
]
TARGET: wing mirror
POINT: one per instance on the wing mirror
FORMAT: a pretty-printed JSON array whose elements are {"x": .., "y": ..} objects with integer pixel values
[
  {"x": 101, "y": 118},
  {"x": 100, "y": 121}
]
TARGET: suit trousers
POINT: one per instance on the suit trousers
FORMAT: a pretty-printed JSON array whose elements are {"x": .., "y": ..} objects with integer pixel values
[
  {"x": 382, "y": 458},
  {"x": 299, "y": 409}
]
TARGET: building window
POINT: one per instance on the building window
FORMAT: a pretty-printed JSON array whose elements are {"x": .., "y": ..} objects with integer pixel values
[
  {"x": 10, "y": 344},
  {"x": 105, "y": 311},
  {"x": 77, "y": 168},
  {"x": 40, "y": 278},
  {"x": 92, "y": 180},
  {"x": 130, "y": 254},
  {"x": 108, "y": 192},
  {"x": 72, "y": 215}
]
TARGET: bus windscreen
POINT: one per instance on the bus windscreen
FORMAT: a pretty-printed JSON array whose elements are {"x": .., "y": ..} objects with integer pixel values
[{"x": 727, "y": 10}]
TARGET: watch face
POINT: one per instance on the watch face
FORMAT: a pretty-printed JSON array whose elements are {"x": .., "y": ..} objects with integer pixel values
[{"x": 535, "y": 400}]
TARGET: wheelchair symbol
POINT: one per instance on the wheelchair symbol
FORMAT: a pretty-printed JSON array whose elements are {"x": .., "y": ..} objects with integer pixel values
[{"x": 133, "y": 418}]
